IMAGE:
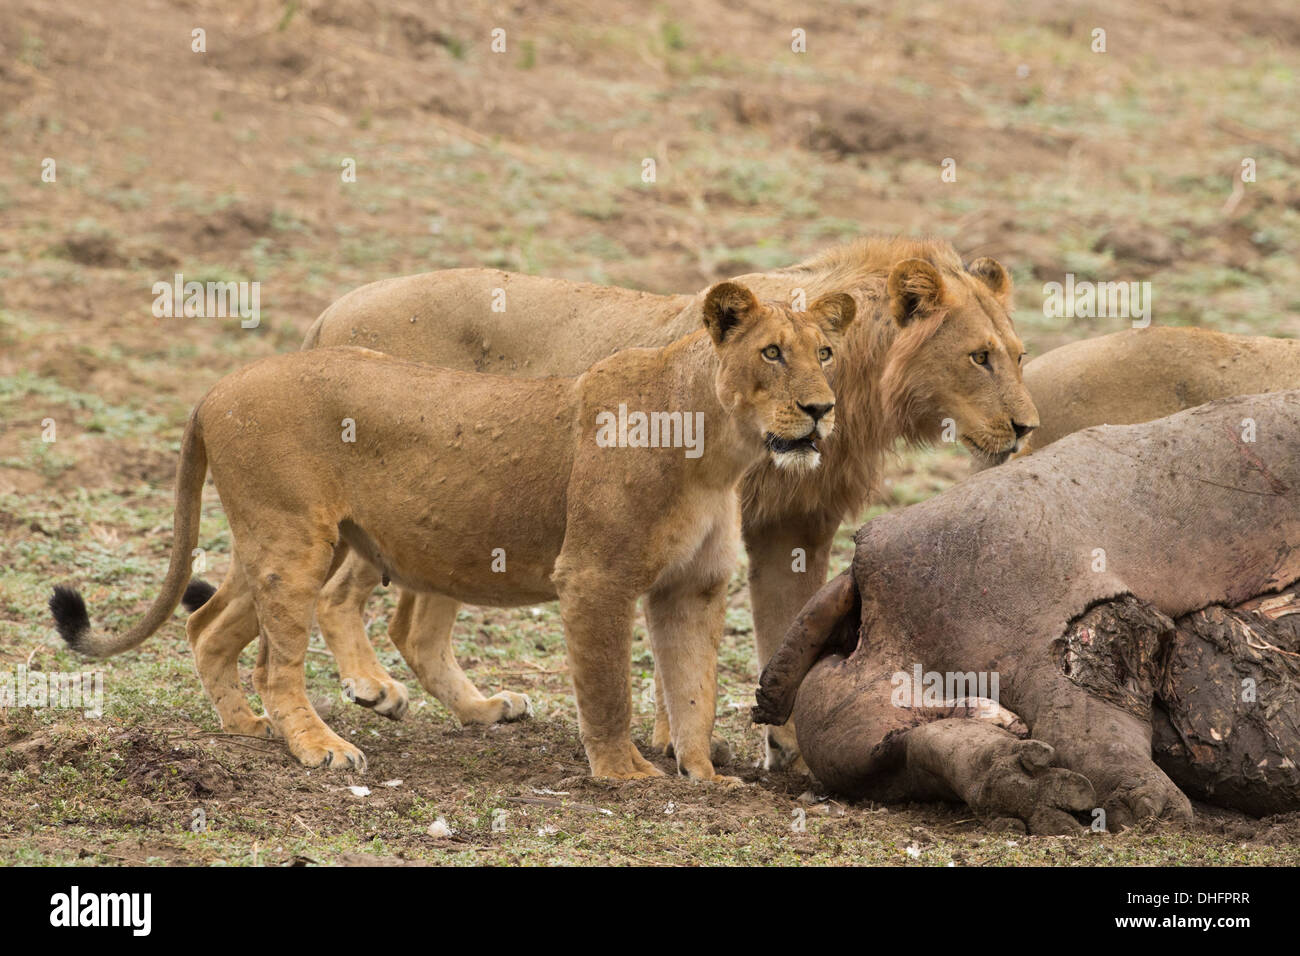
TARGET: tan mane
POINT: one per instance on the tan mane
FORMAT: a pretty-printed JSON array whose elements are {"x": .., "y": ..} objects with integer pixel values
[
  {"x": 851, "y": 263},
  {"x": 882, "y": 400}
]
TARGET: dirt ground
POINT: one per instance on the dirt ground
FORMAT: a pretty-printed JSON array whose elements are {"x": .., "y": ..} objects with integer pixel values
[{"x": 226, "y": 165}]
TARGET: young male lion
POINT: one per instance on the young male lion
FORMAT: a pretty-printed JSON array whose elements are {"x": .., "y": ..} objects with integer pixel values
[{"x": 496, "y": 492}]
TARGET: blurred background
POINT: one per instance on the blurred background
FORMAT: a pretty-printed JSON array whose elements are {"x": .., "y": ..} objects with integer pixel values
[{"x": 227, "y": 164}]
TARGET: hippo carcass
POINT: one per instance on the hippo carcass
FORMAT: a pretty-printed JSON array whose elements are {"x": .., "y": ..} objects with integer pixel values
[{"x": 1111, "y": 580}]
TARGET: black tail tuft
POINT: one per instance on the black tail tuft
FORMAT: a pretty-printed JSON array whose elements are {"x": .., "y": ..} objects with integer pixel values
[
  {"x": 70, "y": 615},
  {"x": 196, "y": 595}
]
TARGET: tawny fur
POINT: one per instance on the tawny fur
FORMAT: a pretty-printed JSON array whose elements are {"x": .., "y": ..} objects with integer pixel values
[{"x": 449, "y": 474}]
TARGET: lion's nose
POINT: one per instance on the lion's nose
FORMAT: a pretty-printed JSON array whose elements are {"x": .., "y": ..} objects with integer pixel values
[
  {"x": 1022, "y": 430},
  {"x": 817, "y": 412}
]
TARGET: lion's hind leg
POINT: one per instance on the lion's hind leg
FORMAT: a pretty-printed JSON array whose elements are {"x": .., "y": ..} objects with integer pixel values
[
  {"x": 340, "y": 615},
  {"x": 421, "y": 629},
  {"x": 285, "y": 576},
  {"x": 218, "y": 630}
]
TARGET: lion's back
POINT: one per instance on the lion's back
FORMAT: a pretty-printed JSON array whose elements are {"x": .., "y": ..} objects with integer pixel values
[{"x": 1142, "y": 374}]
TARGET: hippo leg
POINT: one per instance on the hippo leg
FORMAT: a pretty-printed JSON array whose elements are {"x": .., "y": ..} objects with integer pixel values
[
  {"x": 859, "y": 744},
  {"x": 997, "y": 774},
  {"x": 1111, "y": 747},
  {"x": 1092, "y": 702}
]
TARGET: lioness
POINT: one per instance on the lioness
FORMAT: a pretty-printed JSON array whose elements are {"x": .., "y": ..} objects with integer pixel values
[
  {"x": 497, "y": 492},
  {"x": 934, "y": 344}
]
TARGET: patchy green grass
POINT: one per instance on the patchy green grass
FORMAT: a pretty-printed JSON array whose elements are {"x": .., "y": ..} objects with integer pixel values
[{"x": 533, "y": 161}]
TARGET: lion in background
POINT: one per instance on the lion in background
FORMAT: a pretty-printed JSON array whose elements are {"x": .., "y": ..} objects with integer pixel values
[
  {"x": 1139, "y": 375},
  {"x": 499, "y": 492},
  {"x": 934, "y": 349}
]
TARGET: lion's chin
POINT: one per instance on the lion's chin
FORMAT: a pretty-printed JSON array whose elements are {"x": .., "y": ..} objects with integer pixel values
[
  {"x": 794, "y": 454},
  {"x": 987, "y": 459},
  {"x": 799, "y": 461}
]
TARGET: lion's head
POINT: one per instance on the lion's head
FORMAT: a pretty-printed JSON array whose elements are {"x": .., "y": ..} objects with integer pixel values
[
  {"x": 954, "y": 371},
  {"x": 774, "y": 366}
]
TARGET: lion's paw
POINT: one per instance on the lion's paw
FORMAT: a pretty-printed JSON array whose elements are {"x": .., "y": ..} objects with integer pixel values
[
  {"x": 503, "y": 707},
  {"x": 384, "y": 696},
  {"x": 629, "y": 775},
  {"x": 327, "y": 749},
  {"x": 513, "y": 706},
  {"x": 720, "y": 779},
  {"x": 623, "y": 764},
  {"x": 781, "y": 750},
  {"x": 250, "y": 727},
  {"x": 719, "y": 751}
]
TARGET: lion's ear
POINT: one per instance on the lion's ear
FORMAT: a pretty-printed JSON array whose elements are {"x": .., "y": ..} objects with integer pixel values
[
  {"x": 915, "y": 290},
  {"x": 728, "y": 306},
  {"x": 994, "y": 275},
  {"x": 834, "y": 312}
]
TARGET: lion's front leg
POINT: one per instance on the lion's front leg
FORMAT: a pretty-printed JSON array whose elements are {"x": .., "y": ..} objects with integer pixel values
[
  {"x": 685, "y": 619},
  {"x": 788, "y": 561},
  {"x": 597, "y": 611},
  {"x": 720, "y": 753}
]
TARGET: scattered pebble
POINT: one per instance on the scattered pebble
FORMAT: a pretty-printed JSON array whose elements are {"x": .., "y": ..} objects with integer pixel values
[
  {"x": 360, "y": 791},
  {"x": 391, "y": 783},
  {"x": 439, "y": 830}
]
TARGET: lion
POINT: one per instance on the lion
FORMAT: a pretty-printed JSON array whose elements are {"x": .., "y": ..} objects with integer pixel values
[
  {"x": 498, "y": 492},
  {"x": 934, "y": 354},
  {"x": 1139, "y": 375}
]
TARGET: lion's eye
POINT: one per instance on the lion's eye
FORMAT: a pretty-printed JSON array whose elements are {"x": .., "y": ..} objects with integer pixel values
[
  {"x": 980, "y": 358},
  {"x": 824, "y": 353},
  {"x": 772, "y": 353}
]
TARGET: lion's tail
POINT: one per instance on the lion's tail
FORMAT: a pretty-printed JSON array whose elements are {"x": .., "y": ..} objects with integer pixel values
[{"x": 67, "y": 605}]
